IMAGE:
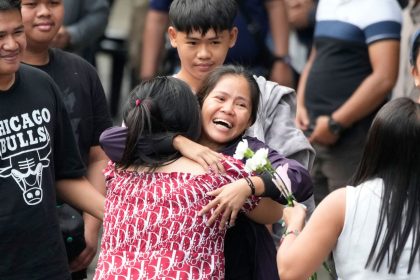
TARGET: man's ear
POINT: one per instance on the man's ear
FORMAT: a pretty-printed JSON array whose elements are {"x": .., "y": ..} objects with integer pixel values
[
  {"x": 233, "y": 35},
  {"x": 172, "y": 36}
]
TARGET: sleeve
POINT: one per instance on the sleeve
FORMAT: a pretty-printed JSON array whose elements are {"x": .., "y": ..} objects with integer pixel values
[
  {"x": 101, "y": 116},
  {"x": 67, "y": 160},
  {"x": 113, "y": 140},
  {"x": 302, "y": 187},
  {"x": 275, "y": 123},
  {"x": 91, "y": 25},
  {"x": 384, "y": 24},
  {"x": 160, "y": 5}
]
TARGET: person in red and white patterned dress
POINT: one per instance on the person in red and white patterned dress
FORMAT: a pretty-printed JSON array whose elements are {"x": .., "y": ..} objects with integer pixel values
[{"x": 152, "y": 224}]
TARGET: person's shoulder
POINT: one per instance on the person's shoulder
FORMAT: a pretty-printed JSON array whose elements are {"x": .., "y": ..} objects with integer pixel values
[
  {"x": 63, "y": 57},
  {"x": 32, "y": 73},
  {"x": 267, "y": 87}
]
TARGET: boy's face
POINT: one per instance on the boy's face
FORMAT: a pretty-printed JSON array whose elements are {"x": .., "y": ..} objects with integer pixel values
[
  {"x": 42, "y": 20},
  {"x": 12, "y": 42},
  {"x": 200, "y": 54}
]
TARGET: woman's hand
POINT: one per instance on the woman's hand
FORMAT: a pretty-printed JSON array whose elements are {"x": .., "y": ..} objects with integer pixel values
[
  {"x": 206, "y": 157},
  {"x": 229, "y": 200},
  {"x": 295, "y": 215}
]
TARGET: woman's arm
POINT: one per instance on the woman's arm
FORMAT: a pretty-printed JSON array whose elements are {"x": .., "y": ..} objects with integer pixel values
[
  {"x": 300, "y": 255},
  {"x": 267, "y": 211}
]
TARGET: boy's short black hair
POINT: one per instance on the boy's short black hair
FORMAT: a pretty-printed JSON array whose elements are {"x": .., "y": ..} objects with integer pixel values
[
  {"x": 202, "y": 15},
  {"x": 10, "y": 5}
]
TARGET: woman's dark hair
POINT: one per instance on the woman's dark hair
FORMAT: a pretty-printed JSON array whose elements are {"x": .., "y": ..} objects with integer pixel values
[
  {"x": 202, "y": 15},
  {"x": 235, "y": 70},
  {"x": 156, "y": 110},
  {"x": 392, "y": 152}
]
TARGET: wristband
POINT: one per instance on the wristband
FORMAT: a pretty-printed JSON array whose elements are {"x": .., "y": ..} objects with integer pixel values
[
  {"x": 270, "y": 189},
  {"x": 251, "y": 185},
  {"x": 283, "y": 58},
  {"x": 295, "y": 232}
]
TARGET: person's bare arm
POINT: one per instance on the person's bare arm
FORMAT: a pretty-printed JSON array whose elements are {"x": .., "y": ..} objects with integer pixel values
[
  {"x": 324, "y": 226},
  {"x": 97, "y": 162},
  {"x": 384, "y": 58},
  {"x": 302, "y": 119},
  {"x": 153, "y": 40},
  {"x": 279, "y": 27},
  {"x": 80, "y": 193}
]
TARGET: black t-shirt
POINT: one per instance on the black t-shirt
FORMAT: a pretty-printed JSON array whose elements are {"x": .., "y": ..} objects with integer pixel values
[
  {"x": 83, "y": 96},
  {"x": 37, "y": 147}
]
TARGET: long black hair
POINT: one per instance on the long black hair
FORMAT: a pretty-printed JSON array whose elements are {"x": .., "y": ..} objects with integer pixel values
[
  {"x": 392, "y": 152},
  {"x": 157, "y": 110}
]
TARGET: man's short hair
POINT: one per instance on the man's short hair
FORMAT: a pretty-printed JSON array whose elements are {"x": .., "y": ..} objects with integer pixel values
[
  {"x": 9, "y": 5},
  {"x": 202, "y": 15}
]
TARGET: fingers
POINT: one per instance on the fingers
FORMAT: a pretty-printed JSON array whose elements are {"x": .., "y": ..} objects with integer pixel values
[
  {"x": 213, "y": 161},
  {"x": 233, "y": 216},
  {"x": 212, "y": 204},
  {"x": 225, "y": 221},
  {"x": 83, "y": 260},
  {"x": 214, "y": 216}
]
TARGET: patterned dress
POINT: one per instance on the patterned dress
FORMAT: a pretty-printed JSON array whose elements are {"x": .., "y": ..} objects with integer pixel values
[{"x": 152, "y": 229}]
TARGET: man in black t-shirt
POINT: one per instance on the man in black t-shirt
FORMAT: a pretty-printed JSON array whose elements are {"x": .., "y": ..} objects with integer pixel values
[
  {"x": 84, "y": 99},
  {"x": 38, "y": 155}
]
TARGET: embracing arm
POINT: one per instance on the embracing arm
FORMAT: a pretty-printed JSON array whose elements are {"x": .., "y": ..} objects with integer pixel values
[{"x": 324, "y": 226}]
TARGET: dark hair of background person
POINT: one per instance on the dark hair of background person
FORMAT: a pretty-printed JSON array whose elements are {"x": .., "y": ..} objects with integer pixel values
[
  {"x": 392, "y": 152},
  {"x": 156, "y": 109},
  {"x": 235, "y": 70},
  {"x": 10, "y": 5},
  {"x": 202, "y": 15},
  {"x": 415, "y": 49}
]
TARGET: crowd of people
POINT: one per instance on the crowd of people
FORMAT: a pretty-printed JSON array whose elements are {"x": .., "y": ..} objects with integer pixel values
[{"x": 339, "y": 129}]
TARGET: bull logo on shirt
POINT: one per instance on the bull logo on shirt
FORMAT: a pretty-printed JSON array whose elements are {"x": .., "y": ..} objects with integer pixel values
[{"x": 24, "y": 152}]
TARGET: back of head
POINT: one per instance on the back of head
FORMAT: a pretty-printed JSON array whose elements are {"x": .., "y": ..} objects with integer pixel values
[
  {"x": 218, "y": 73},
  {"x": 157, "y": 109},
  {"x": 392, "y": 152},
  {"x": 393, "y": 141},
  {"x": 202, "y": 15},
  {"x": 10, "y": 5}
]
